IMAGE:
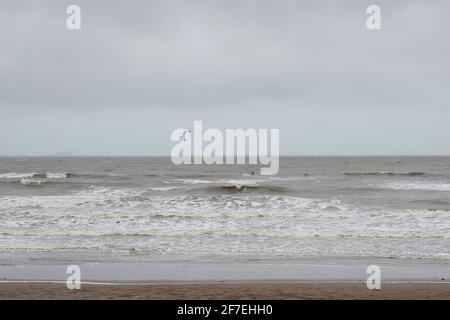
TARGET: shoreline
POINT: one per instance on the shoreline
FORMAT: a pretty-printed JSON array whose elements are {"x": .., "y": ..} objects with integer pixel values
[
  {"x": 122, "y": 283},
  {"x": 305, "y": 279},
  {"x": 17, "y": 290},
  {"x": 233, "y": 271}
]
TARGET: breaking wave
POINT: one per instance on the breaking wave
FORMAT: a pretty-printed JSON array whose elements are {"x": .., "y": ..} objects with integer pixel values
[
  {"x": 53, "y": 175},
  {"x": 106, "y": 199},
  {"x": 228, "y": 186},
  {"x": 384, "y": 173},
  {"x": 48, "y": 175},
  {"x": 425, "y": 186},
  {"x": 32, "y": 182},
  {"x": 234, "y": 188},
  {"x": 165, "y": 188}
]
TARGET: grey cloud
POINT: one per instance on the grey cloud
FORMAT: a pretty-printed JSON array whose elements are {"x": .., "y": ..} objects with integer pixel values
[
  {"x": 213, "y": 53},
  {"x": 201, "y": 56}
]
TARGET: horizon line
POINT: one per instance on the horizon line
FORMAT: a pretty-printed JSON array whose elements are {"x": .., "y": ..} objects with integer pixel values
[{"x": 168, "y": 156}]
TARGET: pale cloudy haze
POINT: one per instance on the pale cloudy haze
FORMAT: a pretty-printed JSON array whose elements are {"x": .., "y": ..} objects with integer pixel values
[{"x": 140, "y": 69}]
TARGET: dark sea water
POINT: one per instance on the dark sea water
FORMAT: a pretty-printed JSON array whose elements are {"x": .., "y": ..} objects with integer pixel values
[{"x": 147, "y": 209}]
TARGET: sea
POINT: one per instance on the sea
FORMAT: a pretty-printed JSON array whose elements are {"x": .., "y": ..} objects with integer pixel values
[{"x": 144, "y": 209}]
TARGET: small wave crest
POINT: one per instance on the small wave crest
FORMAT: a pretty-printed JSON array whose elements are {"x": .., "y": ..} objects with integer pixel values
[
  {"x": 424, "y": 186},
  {"x": 231, "y": 185},
  {"x": 187, "y": 181},
  {"x": 32, "y": 182},
  {"x": 55, "y": 175},
  {"x": 386, "y": 173},
  {"x": 96, "y": 176},
  {"x": 235, "y": 188},
  {"x": 164, "y": 188},
  {"x": 14, "y": 175},
  {"x": 48, "y": 175}
]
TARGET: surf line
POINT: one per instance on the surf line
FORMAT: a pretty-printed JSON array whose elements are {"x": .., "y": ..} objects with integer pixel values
[{"x": 236, "y": 146}]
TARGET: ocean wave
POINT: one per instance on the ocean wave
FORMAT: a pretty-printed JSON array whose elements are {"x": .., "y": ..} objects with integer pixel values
[
  {"x": 14, "y": 175},
  {"x": 165, "y": 188},
  {"x": 304, "y": 177},
  {"x": 436, "y": 202},
  {"x": 386, "y": 173},
  {"x": 233, "y": 185},
  {"x": 188, "y": 175},
  {"x": 97, "y": 176},
  {"x": 48, "y": 175},
  {"x": 97, "y": 192},
  {"x": 218, "y": 181},
  {"x": 438, "y": 210},
  {"x": 139, "y": 200},
  {"x": 228, "y": 248},
  {"x": 114, "y": 229},
  {"x": 425, "y": 186},
  {"x": 134, "y": 198},
  {"x": 56, "y": 175},
  {"x": 187, "y": 181},
  {"x": 32, "y": 182},
  {"x": 232, "y": 188}
]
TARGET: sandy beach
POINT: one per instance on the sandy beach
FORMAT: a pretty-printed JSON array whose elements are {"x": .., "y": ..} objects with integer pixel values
[
  {"x": 226, "y": 290},
  {"x": 224, "y": 150},
  {"x": 306, "y": 279}
]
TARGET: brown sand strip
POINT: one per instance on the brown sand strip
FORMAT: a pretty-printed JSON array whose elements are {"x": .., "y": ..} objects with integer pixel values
[{"x": 294, "y": 290}]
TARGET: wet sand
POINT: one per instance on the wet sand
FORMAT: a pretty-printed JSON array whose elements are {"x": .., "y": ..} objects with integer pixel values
[{"x": 226, "y": 290}]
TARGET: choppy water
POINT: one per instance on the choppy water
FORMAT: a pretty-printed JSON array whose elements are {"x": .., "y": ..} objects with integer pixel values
[{"x": 110, "y": 209}]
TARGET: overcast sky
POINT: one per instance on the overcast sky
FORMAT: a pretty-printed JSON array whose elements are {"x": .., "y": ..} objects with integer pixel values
[{"x": 139, "y": 69}]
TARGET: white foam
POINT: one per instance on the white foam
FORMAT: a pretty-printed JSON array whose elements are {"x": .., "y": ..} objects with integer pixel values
[
  {"x": 14, "y": 175},
  {"x": 31, "y": 182},
  {"x": 165, "y": 188},
  {"x": 426, "y": 186},
  {"x": 94, "y": 197},
  {"x": 51, "y": 175},
  {"x": 48, "y": 175},
  {"x": 117, "y": 219},
  {"x": 236, "y": 182},
  {"x": 187, "y": 181},
  {"x": 239, "y": 183},
  {"x": 108, "y": 193}
]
